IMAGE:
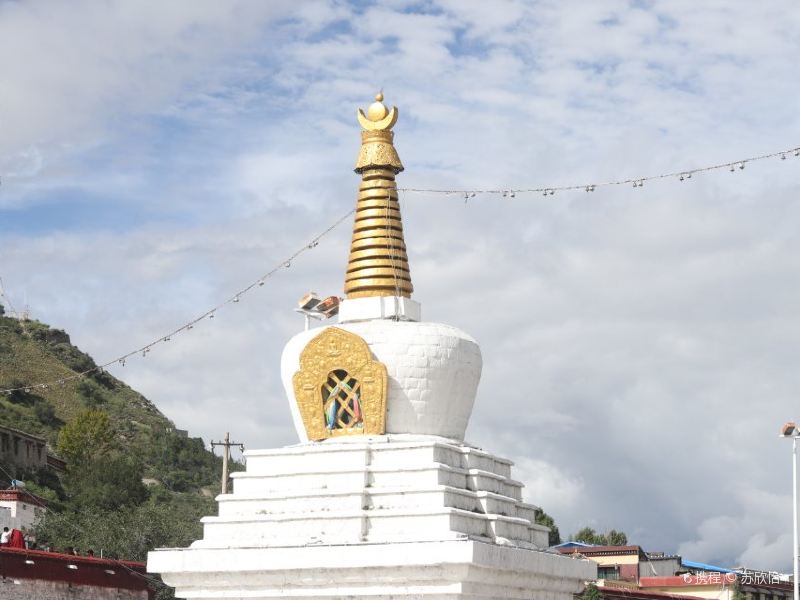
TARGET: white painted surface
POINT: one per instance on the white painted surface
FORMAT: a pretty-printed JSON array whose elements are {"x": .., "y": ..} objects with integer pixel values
[
  {"x": 453, "y": 570},
  {"x": 19, "y": 515},
  {"x": 414, "y": 513},
  {"x": 375, "y": 491},
  {"x": 378, "y": 518},
  {"x": 433, "y": 373},
  {"x": 379, "y": 307}
]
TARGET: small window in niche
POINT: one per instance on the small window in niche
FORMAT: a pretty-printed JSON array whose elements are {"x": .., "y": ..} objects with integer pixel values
[{"x": 341, "y": 401}]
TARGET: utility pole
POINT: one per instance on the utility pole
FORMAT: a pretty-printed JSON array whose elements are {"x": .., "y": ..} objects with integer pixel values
[
  {"x": 791, "y": 430},
  {"x": 226, "y": 454}
]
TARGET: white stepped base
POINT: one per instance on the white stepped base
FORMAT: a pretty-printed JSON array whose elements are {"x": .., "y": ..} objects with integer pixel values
[
  {"x": 454, "y": 570},
  {"x": 375, "y": 490},
  {"x": 376, "y": 518}
]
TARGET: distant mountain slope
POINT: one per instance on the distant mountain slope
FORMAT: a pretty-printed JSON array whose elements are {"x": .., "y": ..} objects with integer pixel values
[{"x": 32, "y": 353}]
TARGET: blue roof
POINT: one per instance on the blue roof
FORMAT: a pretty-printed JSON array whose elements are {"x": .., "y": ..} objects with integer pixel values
[
  {"x": 572, "y": 544},
  {"x": 705, "y": 567}
]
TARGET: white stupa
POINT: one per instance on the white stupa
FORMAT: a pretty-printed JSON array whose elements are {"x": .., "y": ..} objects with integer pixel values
[{"x": 382, "y": 498}]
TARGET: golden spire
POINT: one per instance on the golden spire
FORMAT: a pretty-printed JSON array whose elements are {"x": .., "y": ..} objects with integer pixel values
[{"x": 378, "y": 264}]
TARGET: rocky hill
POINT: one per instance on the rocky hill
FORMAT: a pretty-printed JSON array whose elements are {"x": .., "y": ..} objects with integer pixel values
[{"x": 32, "y": 353}]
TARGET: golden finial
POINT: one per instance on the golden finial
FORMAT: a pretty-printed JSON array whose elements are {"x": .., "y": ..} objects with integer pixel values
[
  {"x": 377, "y": 110},
  {"x": 378, "y": 264},
  {"x": 378, "y": 117}
]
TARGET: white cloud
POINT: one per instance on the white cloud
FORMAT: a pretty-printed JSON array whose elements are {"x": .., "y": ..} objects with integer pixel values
[
  {"x": 74, "y": 73},
  {"x": 547, "y": 486},
  {"x": 762, "y": 540}
]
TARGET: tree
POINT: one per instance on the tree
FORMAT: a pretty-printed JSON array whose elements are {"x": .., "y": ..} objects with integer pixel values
[
  {"x": 98, "y": 476},
  {"x": 611, "y": 538},
  {"x": 542, "y": 518},
  {"x": 738, "y": 594},
  {"x": 616, "y": 538},
  {"x": 88, "y": 435},
  {"x": 587, "y": 535},
  {"x": 107, "y": 483},
  {"x": 591, "y": 592},
  {"x": 91, "y": 393},
  {"x": 46, "y": 414}
]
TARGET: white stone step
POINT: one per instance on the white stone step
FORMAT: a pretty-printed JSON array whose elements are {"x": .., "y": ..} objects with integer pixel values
[
  {"x": 478, "y": 459},
  {"x": 344, "y": 527},
  {"x": 448, "y": 523},
  {"x": 308, "y": 458},
  {"x": 248, "y": 483},
  {"x": 311, "y": 501},
  {"x": 416, "y": 477},
  {"x": 509, "y": 528},
  {"x": 539, "y": 535},
  {"x": 344, "y": 491},
  {"x": 409, "y": 499},
  {"x": 404, "y": 456},
  {"x": 479, "y": 480},
  {"x": 326, "y": 457},
  {"x": 526, "y": 511},
  {"x": 377, "y": 525},
  {"x": 496, "y": 504},
  {"x": 452, "y": 570}
]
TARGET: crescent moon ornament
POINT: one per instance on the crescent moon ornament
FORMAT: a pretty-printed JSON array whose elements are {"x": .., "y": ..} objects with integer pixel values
[{"x": 385, "y": 123}]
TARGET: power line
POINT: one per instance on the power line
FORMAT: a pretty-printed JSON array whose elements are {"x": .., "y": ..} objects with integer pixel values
[
  {"x": 637, "y": 182},
  {"x": 209, "y": 314}
]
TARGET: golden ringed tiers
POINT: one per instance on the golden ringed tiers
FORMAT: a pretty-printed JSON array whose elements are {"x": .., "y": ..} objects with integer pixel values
[{"x": 378, "y": 263}]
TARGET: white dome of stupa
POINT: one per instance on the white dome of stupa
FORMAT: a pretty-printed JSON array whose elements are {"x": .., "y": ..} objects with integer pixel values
[{"x": 433, "y": 372}]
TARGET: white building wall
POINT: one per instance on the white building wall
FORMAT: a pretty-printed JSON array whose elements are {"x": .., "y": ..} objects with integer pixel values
[
  {"x": 20, "y": 515},
  {"x": 41, "y": 589}
]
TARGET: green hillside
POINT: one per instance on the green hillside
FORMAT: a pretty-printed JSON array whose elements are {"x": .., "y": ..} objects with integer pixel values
[
  {"x": 133, "y": 481},
  {"x": 32, "y": 353}
]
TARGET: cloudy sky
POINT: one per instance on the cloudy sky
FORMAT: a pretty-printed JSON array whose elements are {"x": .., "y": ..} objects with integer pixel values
[{"x": 640, "y": 345}]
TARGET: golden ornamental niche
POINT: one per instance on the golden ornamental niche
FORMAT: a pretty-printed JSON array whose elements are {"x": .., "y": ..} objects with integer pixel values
[{"x": 340, "y": 388}]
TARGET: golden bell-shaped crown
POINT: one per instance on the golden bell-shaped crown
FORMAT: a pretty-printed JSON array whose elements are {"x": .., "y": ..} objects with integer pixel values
[{"x": 377, "y": 138}]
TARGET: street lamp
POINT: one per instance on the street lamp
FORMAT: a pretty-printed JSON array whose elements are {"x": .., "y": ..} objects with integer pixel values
[{"x": 790, "y": 430}]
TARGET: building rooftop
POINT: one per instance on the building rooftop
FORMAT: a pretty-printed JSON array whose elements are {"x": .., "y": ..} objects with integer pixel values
[
  {"x": 610, "y": 591},
  {"x": 22, "y": 563},
  {"x": 592, "y": 550},
  {"x": 30, "y": 436},
  {"x": 662, "y": 556},
  {"x": 22, "y": 495},
  {"x": 690, "y": 564}
]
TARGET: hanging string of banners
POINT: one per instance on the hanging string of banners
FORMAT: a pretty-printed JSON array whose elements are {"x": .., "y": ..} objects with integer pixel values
[
  {"x": 636, "y": 182},
  {"x": 209, "y": 314}
]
